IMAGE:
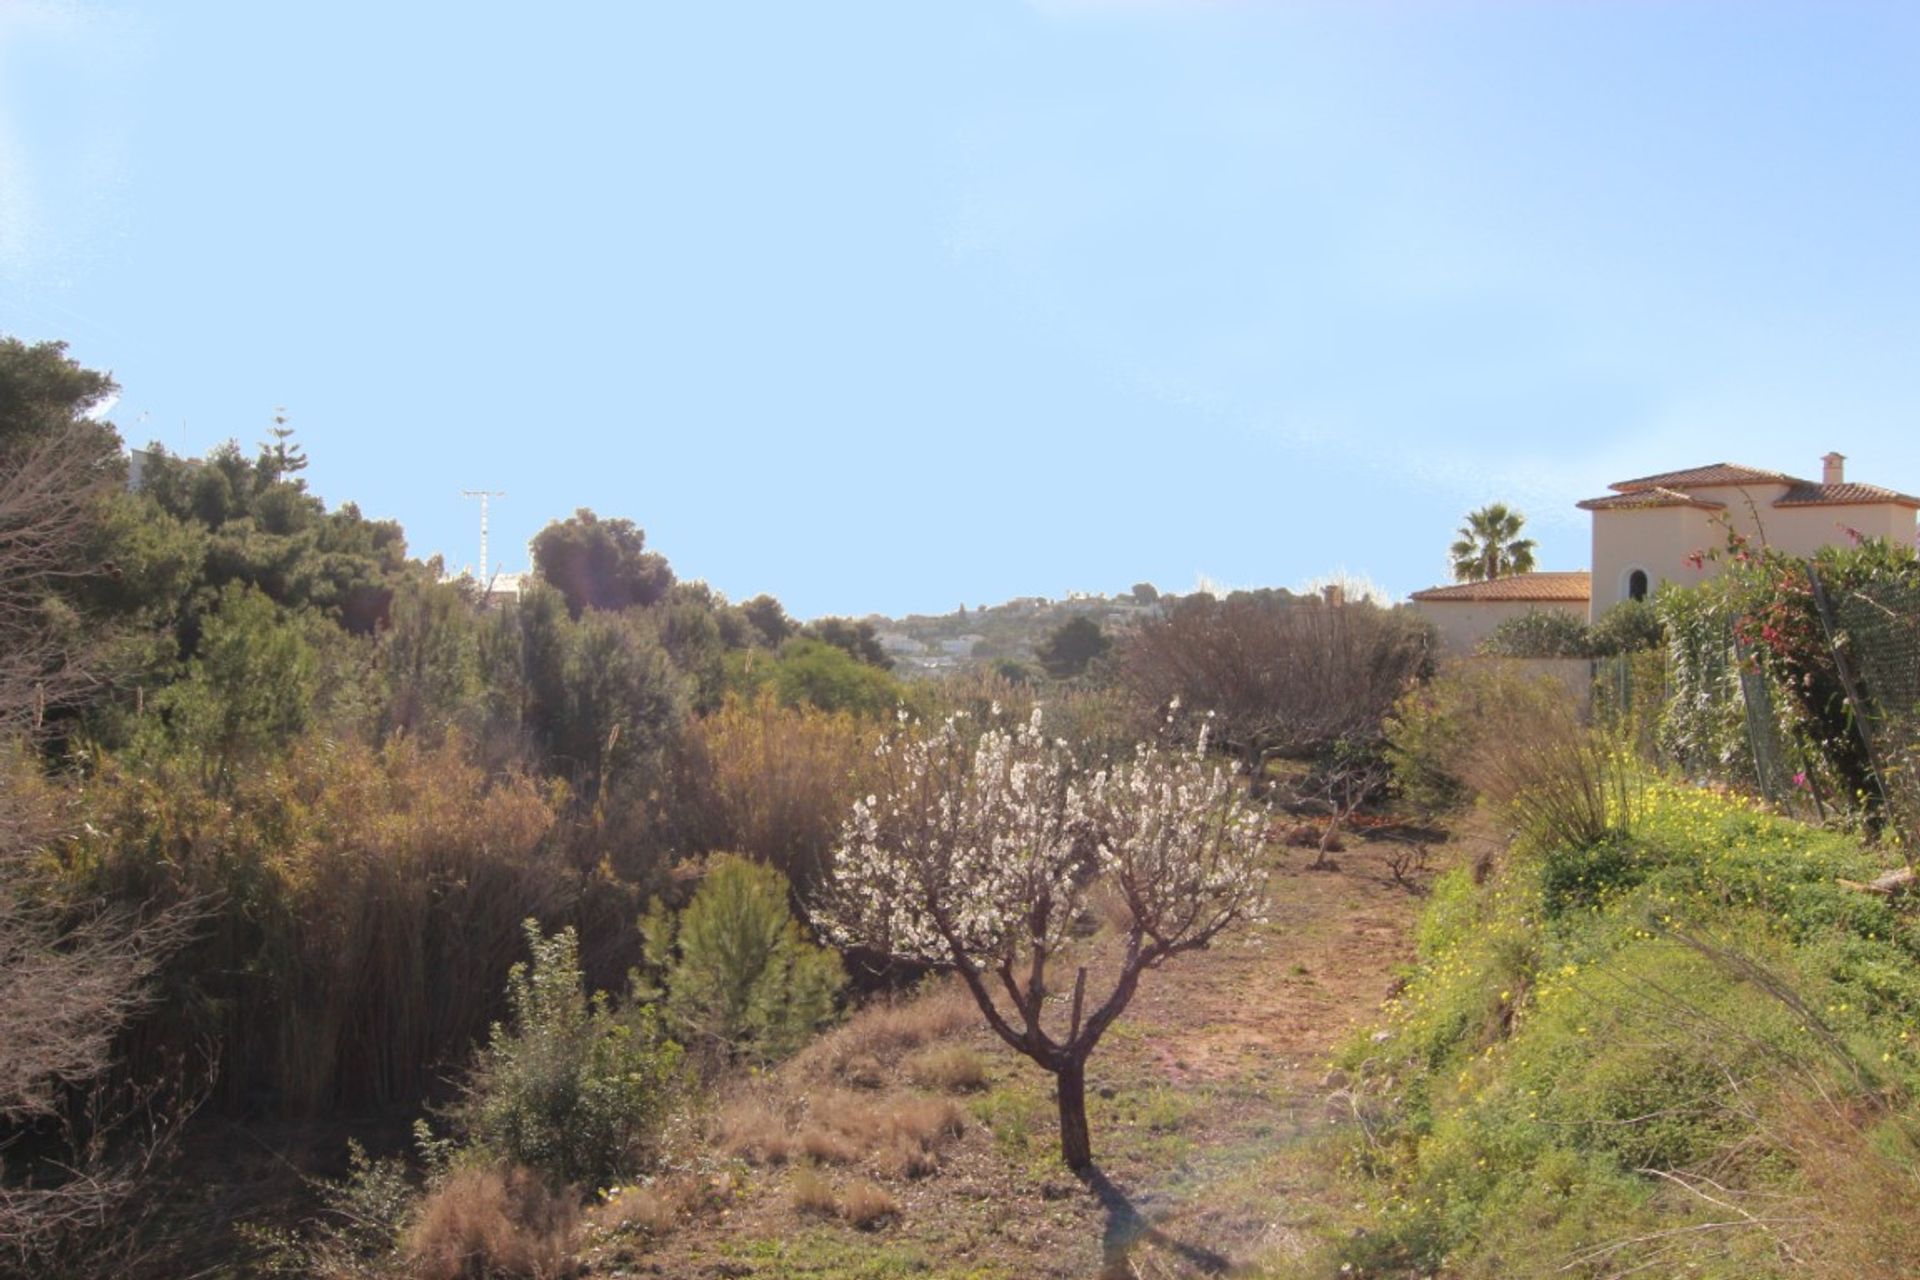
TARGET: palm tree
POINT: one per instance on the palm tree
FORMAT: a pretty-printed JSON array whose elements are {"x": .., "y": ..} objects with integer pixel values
[{"x": 1490, "y": 545}]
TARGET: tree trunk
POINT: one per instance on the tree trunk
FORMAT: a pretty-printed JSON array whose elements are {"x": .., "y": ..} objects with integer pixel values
[
  {"x": 1076, "y": 1148},
  {"x": 1256, "y": 765}
]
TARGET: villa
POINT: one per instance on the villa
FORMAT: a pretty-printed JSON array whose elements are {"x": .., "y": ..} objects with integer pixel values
[{"x": 1654, "y": 529}]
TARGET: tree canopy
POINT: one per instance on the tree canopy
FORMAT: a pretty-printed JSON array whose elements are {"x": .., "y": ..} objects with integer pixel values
[
  {"x": 600, "y": 564},
  {"x": 1074, "y": 646},
  {"x": 858, "y": 640}
]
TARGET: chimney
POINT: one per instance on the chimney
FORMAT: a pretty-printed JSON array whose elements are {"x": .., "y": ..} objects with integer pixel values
[
  {"x": 1833, "y": 469},
  {"x": 1336, "y": 595}
]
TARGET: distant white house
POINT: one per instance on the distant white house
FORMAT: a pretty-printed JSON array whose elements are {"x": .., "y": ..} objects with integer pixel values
[
  {"x": 1659, "y": 528},
  {"x": 900, "y": 644}
]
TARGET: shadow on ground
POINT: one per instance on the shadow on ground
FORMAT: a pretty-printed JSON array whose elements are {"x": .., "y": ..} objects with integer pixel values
[{"x": 1127, "y": 1229}]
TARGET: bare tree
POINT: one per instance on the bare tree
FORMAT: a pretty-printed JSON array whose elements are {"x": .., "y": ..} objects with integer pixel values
[
  {"x": 1343, "y": 787},
  {"x": 68, "y": 982},
  {"x": 50, "y": 487},
  {"x": 978, "y": 855},
  {"x": 1283, "y": 677}
]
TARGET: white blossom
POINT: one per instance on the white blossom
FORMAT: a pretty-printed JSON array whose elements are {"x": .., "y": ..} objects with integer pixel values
[{"x": 978, "y": 853}]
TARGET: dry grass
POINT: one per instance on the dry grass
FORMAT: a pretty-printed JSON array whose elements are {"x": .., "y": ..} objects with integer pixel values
[
  {"x": 866, "y": 1205},
  {"x": 753, "y": 1130},
  {"x": 1567, "y": 784},
  {"x": 1859, "y": 1167},
  {"x": 831, "y": 1105},
  {"x": 865, "y": 1049},
  {"x": 656, "y": 1209},
  {"x": 951, "y": 1068},
  {"x": 813, "y": 1194},
  {"x": 900, "y": 1135},
  {"x": 862, "y": 1204},
  {"x": 897, "y": 1134},
  {"x": 824, "y": 1146},
  {"x": 492, "y": 1223}
]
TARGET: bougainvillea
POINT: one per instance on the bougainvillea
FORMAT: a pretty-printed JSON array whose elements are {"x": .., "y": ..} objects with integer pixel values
[{"x": 1766, "y": 601}]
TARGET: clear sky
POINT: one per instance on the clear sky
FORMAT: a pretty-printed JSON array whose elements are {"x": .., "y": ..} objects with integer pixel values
[{"x": 896, "y": 305}]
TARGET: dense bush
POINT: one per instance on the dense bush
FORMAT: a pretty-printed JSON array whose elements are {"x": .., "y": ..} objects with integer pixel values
[
  {"x": 770, "y": 781},
  {"x": 810, "y": 672},
  {"x": 360, "y": 908},
  {"x": 1632, "y": 626},
  {"x": 1282, "y": 677},
  {"x": 1759, "y": 618},
  {"x": 1628, "y": 627},
  {"x": 1540, "y": 633},
  {"x": 248, "y": 692}
]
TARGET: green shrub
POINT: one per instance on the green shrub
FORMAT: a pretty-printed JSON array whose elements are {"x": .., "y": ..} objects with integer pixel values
[
  {"x": 1540, "y": 633},
  {"x": 570, "y": 1088},
  {"x": 250, "y": 689},
  {"x": 815, "y": 673},
  {"x": 1628, "y": 627},
  {"x": 739, "y": 975}
]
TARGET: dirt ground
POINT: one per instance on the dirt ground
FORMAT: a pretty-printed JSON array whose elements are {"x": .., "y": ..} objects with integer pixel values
[{"x": 1208, "y": 1100}]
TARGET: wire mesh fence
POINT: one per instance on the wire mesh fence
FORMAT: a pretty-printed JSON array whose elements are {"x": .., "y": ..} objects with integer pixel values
[
  {"x": 1706, "y": 706},
  {"x": 1874, "y": 630},
  {"x": 1821, "y": 721}
]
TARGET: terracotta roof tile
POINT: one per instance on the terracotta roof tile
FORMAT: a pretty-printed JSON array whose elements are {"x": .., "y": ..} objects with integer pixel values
[
  {"x": 1805, "y": 493},
  {"x": 1567, "y": 587},
  {"x": 1642, "y": 499},
  {"x": 1712, "y": 473}
]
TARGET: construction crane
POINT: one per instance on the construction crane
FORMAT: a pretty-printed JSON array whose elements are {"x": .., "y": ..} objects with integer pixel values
[{"x": 484, "y": 495}]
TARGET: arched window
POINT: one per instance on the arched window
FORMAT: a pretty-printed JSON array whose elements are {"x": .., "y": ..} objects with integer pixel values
[{"x": 1637, "y": 585}]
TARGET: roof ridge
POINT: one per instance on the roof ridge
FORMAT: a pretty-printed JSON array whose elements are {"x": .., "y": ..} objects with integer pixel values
[
  {"x": 1535, "y": 585},
  {"x": 1705, "y": 475}
]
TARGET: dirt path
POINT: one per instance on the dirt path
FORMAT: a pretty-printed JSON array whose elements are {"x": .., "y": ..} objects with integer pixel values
[{"x": 1205, "y": 1101}]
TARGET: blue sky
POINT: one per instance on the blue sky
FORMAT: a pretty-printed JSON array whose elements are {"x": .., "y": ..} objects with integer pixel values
[{"x": 893, "y": 306}]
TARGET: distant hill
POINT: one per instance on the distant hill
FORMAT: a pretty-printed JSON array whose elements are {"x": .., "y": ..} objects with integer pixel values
[{"x": 931, "y": 644}]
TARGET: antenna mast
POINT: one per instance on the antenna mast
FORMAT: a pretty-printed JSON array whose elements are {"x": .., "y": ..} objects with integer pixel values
[{"x": 483, "y": 495}]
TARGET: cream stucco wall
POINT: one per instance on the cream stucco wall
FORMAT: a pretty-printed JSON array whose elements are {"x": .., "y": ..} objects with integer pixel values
[
  {"x": 1660, "y": 540},
  {"x": 1801, "y": 531},
  {"x": 1463, "y": 624}
]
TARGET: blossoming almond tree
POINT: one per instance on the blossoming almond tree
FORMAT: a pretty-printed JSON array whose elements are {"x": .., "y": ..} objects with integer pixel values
[{"x": 978, "y": 855}]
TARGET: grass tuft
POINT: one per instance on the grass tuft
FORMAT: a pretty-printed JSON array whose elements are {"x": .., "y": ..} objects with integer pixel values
[{"x": 491, "y": 1222}]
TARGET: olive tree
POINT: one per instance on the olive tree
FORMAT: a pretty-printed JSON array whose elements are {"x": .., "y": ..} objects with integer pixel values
[{"x": 978, "y": 854}]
